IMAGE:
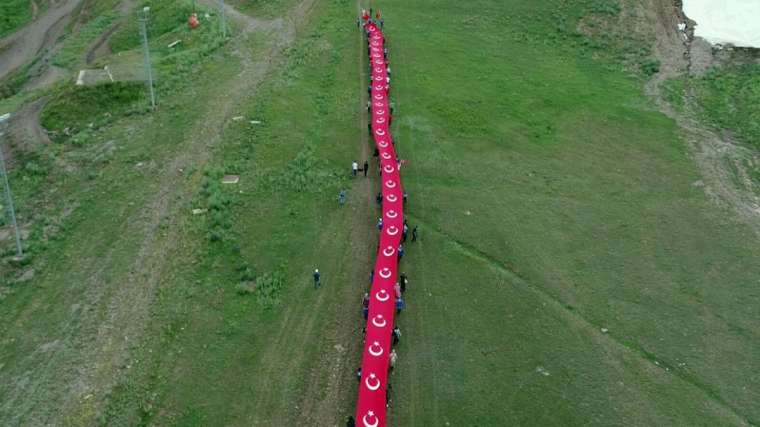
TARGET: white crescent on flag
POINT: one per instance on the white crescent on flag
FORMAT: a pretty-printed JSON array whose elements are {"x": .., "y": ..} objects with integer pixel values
[
  {"x": 369, "y": 416},
  {"x": 375, "y": 349},
  {"x": 379, "y": 321}
]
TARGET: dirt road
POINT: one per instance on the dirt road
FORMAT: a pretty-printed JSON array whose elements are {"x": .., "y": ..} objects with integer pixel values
[{"x": 22, "y": 46}]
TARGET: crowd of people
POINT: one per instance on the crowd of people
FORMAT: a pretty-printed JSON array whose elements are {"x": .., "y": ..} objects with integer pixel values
[{"x": 402, "y": 284}]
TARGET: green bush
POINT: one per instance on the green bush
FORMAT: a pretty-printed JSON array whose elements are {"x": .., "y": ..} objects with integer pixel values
[
  {"x": 13, "y": 14},
  {"x": 305, "y": 174},
  {"x": 650, "y": 67},
  {"x": 269, "y": 287},
  {"x": 78, "y": 107}
]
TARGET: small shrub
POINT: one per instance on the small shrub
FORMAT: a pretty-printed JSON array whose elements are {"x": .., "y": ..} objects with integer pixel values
[
  {"x": 269, "y": 287},
  {"x": 75, "y": 108},
  {"x": 650, "y": 67}
]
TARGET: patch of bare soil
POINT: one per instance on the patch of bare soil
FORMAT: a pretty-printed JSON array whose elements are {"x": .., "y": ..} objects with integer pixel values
[
  {"x": 50, "y": 75},
  {"x": 100, "y": 47},
  {"x": 24, "y": 130},
  {"x": 726, "y": 164}
]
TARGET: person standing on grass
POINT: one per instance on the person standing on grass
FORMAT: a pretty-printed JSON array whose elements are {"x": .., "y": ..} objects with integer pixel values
[
  {"x": 371, "y": 276},
  {"x": 342, "y": 197},
  {"x": 394, "y": 357},
  {"x": 403, "y": 281},
  {"x": 396, "y": 334},
  {"x": 354, "y": 167},
  {"x": 317, "y": 278},
  {"x": 404, "y": 232},
  {"x": 400, "y": 252},
  {"x": 379, "y": 199},
  {"x": 366, "y": 167},
  {"x": 397, "y": 289},
  {"x": 380, "y": 224},
  {"x": 400, "y": 305},
  {"x": 350, "y": 422},
  {"x": 388, "y": 396},
  {"x": 414, "y": 234}
]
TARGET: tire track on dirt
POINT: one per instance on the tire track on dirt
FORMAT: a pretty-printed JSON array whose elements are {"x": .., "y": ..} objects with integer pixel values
[{"x": 22, "y": 46}]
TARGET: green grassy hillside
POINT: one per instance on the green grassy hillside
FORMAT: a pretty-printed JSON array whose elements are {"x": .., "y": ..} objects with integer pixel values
[
  {"x": 570, "y": 270},
  {"x": 556, "y": 204}
]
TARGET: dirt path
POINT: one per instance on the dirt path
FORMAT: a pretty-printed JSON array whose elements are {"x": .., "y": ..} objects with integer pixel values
[
  {"x": 331, "y": 376},
  {"x": 25, "y": 130},
  {"x": 22, "y": 46},
  {"x": 99, "y": 47}
]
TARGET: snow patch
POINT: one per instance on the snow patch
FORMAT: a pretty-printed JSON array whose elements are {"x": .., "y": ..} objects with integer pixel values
[{"x": 728, "y": 21}]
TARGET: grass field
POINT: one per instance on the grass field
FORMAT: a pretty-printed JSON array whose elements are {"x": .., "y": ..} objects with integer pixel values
[
  {"x": 553, "y": 178},
  {"x": 569, "y": 270},
  {"x": 728, "y": 98},
  {"x": 14, "y": 14}
]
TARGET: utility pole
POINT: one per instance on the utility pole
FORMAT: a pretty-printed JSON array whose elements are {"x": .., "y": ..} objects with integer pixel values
[
  {"x": 146, "y": 49},
  {"x": 8, "y": 195},
  {"x": 223, "y": 19}
]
